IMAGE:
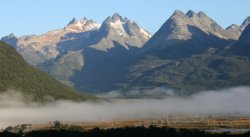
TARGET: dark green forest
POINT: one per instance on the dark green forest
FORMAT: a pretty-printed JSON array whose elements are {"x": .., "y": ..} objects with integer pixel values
[{"x": 17, "y": 75}]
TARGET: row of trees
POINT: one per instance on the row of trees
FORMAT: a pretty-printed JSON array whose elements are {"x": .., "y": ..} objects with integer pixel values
[{"x": 122, "y": 132}]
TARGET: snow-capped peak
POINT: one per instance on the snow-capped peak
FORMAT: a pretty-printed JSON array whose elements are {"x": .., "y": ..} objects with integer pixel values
[
  {"x": 147, "y": 34},
  {"x": 82, "y": 25},
  {"x": 123, "y": 27}
]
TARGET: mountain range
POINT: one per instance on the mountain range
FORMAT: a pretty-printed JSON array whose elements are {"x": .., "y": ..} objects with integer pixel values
[{"x": 189, "y": 53}]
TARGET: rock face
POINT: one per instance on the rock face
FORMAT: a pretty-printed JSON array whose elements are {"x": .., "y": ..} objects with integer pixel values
[
  {"x": 10, "y": 39},
  {"x": 235, "y": 31},
  {"x": 242, "y": 47},
  {"x": 245, "y": 36},
  {"x": 246, "y": 22},
  {"x": 65, "y": 66}
]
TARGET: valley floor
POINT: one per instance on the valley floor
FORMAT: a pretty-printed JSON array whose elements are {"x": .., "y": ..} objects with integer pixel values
[{"x": 208, "y": 123}]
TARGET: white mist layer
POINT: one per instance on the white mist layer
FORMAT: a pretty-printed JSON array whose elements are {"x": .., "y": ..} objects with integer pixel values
[{"x": 14, "y": 110}]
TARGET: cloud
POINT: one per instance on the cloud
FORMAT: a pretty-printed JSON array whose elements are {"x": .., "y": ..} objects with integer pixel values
[
  {"x": 155, "y": 93},
  {"x": 14, "y": 110}
]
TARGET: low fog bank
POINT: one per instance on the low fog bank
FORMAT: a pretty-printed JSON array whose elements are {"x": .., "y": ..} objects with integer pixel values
[
  {"x": 15, "y": 110},
  {"x": 156, "y": 93}
]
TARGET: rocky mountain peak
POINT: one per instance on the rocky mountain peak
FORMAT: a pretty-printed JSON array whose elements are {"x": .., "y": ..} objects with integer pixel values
[
  {"x": 245, "y": 36},
  {"x": 181, "y": 27},
  {"x": 114, "y": 18},
  {"x": 178, "y": 13},
  {"x": 83, "y": 25},
  {"x": 210, "y": 26},
  {"x": 246, "y": 22},
  {"x": 126, "y": 19},
  {"x": 11, "y": 35},
  {"x": 10, "y": 39},
  {"x": 233, "y": 26},
  {"x": 73, "y": 21},
  {"x": 117, "y": 17},
  {"x": 202, "y": 14},
  {"x": 122, "y": 26},
  {"x": 177, "y": 26},
  {"x": 234, "y": 31},
  {"x": 122, "y": 31},
  {"x": 178, "y": 16},
  {"x": 190, "y": 13},
  {"x": 85, "y": 18}
]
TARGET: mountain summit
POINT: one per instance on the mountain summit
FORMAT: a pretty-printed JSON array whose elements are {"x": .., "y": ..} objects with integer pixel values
[
  {"x": 235, "y": 30},
  {"x": 246, "y": 22},
  {"x": 121, "y": 30},
  {"x": 195, "y": 27},
  {"x": 73, "y": 21},
  {"x": 83, "y": 25}
]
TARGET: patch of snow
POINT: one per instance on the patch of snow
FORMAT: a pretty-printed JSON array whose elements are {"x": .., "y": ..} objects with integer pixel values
[
  {"x": 85, "y": 25},
  {"x": 83, "y": 21},
  {"x": 79, "y": 25},
  {"x": 146, "y": 34},
  {"x": 233, "y": 27},
  {"x": 72, "y": 30},
  {"x": 96, "y": 25}
]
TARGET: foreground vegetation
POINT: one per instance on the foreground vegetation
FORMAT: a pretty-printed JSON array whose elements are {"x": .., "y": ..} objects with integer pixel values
[
  {"x": 121, "y": 132},
  {"x": 17, "y": 75}
]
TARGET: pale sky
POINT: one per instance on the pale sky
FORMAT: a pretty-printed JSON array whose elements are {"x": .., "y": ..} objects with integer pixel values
[{"x": 27, "y": 17}]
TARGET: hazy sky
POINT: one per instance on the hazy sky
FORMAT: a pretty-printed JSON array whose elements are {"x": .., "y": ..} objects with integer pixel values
[{"x": 25, "y": 17}]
